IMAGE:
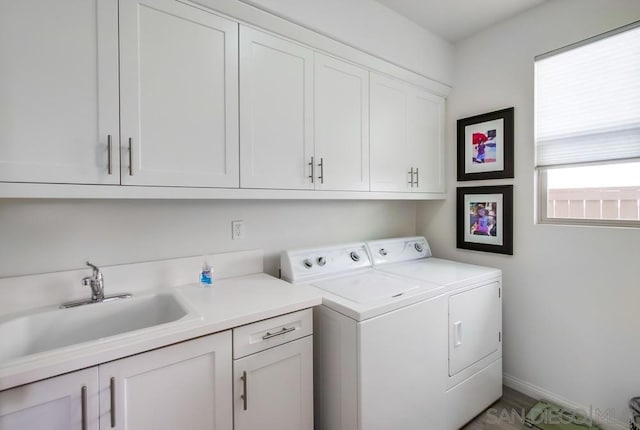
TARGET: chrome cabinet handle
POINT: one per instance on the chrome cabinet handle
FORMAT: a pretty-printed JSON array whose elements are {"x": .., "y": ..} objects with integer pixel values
[
  {"x": 312, "y": 165},
  {"x": 278, "y": 333},
  {"x": 243, "y": 396},
  {"x": 321, "y": 165},
  {"x": 417, "y": 178},
  {"x": 411, "y": 180},
  {"x": 109, "y": 154},
  {"x": 83, "y": 401},
  {"x": 112, "y": 388},
  {"x": 130, "y": 157}
]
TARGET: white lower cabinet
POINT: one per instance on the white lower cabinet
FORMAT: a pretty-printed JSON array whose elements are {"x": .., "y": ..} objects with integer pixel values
[
  {"x": 273, "y": 373},
  {"x": 186, "y": 385},
  {"x": 66, "y": 402},
  {"x": 274, "y": 388}
]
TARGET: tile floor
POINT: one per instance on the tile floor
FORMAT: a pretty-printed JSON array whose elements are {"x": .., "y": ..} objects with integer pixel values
[{"x": 506, "y": 414}]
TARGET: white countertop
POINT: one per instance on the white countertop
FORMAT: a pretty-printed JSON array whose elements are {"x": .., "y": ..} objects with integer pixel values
[{"x": 230, "y": 303}]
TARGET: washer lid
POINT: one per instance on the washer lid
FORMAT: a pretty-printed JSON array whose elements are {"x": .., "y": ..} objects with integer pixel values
[
  {"x": 441, "y": 272},
  {"x": 368, "y": 288}
]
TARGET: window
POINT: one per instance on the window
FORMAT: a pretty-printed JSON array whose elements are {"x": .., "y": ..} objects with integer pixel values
[{"x": 588, "y": 131}]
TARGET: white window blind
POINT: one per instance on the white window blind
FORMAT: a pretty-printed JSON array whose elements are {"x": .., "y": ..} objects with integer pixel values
[{"x": 588, "y": 102}]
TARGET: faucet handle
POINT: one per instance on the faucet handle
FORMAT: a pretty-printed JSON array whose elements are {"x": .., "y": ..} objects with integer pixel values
[{"x": 95, "y": 268}]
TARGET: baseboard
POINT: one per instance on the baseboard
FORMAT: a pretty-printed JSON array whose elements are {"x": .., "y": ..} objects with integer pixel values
[{"x": 539, "y": 393}]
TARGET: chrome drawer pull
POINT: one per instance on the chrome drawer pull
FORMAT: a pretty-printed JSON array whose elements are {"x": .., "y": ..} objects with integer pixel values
[
  {"x": 278, "y": 333},
  {"x": 112, "y": 388},
  {"x": 312, "y": 166},
  {"x": 243, "y": 396},
  {"x": 321, "y": 165},
  {"x": 109, "y": 154},
  {"x": 130, "y": 157},
  {"x": 410, "y": 172},
  {"x": 84, "y": 407}
]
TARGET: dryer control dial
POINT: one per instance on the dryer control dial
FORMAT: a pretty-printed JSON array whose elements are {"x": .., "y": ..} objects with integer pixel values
[
  {"x": 321, "y": 261},
  {"x": 383, "y": 252},
  {"x": 307, "y": 263},
  {"x": 418, "y": 247},
  {"x": 354, "y": 256}
]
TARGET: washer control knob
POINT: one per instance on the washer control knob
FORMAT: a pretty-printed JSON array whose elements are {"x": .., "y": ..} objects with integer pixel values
[
  {"x": 321, "y": 261},
  {"x": 354, "y": 256},
  {"x": 383, "y": 252},
  {"x": 419, "y": 247},
  {"x": 308, "y": 263}
]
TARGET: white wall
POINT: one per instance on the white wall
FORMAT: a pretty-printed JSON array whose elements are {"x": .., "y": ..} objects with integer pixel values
[
  {"x": 39, "y": 236},
  {"x": 373, "y": 28},
  {"x": 571, "y": 294}
]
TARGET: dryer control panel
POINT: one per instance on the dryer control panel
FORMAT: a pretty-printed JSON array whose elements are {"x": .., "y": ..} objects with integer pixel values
[{"x": 398, "y": 250}]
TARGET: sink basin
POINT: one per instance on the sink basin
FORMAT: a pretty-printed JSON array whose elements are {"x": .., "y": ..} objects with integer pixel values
[{"x": 50, "y": 329}]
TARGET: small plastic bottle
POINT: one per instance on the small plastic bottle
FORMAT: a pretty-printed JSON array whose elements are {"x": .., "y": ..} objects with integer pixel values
[{"x": 206, "y": 275}]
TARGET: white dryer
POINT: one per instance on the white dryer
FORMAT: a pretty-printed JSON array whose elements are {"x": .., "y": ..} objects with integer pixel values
[
  {"x": 380, "y": 342},
  {"x": 474, "y": 318}
]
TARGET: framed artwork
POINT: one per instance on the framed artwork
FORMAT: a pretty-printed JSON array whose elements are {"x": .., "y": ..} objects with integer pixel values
[
  {"x": 484, "y": 218},
  {"x": 485, "y": 146}
]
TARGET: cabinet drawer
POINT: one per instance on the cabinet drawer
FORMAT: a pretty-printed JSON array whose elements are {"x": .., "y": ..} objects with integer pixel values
[{"x": 265, "y": 334}]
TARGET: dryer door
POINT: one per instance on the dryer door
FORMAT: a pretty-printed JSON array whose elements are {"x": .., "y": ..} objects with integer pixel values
[{"x": 474, "y": 326}]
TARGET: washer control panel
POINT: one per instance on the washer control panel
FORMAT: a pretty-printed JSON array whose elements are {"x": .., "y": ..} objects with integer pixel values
[{"x": 313, "y": 263}]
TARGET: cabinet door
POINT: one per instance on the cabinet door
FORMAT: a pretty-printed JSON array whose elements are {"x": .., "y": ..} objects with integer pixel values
[
  {"x": 273, "y": 389},
  {"x": 425, "y": 137},
  {"x": 474, "y": 326},
  {"x": 59, "y": 91},
  {"x": 60, "y": 403},
  {"x": 179, "y": 95},
  {"x": 276, "y": 112},
  {"x": 187, "y": 385},
  {"x": 341, "y": 125},
  {"x": 390, "y": 162}
]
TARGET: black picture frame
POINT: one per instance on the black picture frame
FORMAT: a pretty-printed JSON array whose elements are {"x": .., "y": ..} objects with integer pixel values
[
  {"x": 497, "y": 234},
  {"x": 493, "y": 126}
]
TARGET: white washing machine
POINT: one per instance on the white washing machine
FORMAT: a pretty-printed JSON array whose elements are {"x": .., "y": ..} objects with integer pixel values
[
  {"x": 380, "y": 342},
  {"x": 474, "y": 307}
]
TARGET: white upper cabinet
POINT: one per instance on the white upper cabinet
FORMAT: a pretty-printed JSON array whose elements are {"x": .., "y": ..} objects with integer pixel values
[
  {"x": 179, "y": 95},
  {"x": 166, "y": 93},
  {"x": 341, "y": 125},
  {"x": 407, "y": 140},
  {"x": 425, "y": 140},
  {"x": 389, "y": 147},
  {"x": 276, "y": 112},
  {"x": 59, "y": 91}
]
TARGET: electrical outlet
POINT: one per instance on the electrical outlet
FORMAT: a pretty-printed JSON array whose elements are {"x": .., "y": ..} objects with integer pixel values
[{"x": 237, "y": 229}]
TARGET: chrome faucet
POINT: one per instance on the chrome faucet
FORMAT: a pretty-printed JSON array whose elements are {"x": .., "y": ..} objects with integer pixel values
[{"x": 96, "y": 282}]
